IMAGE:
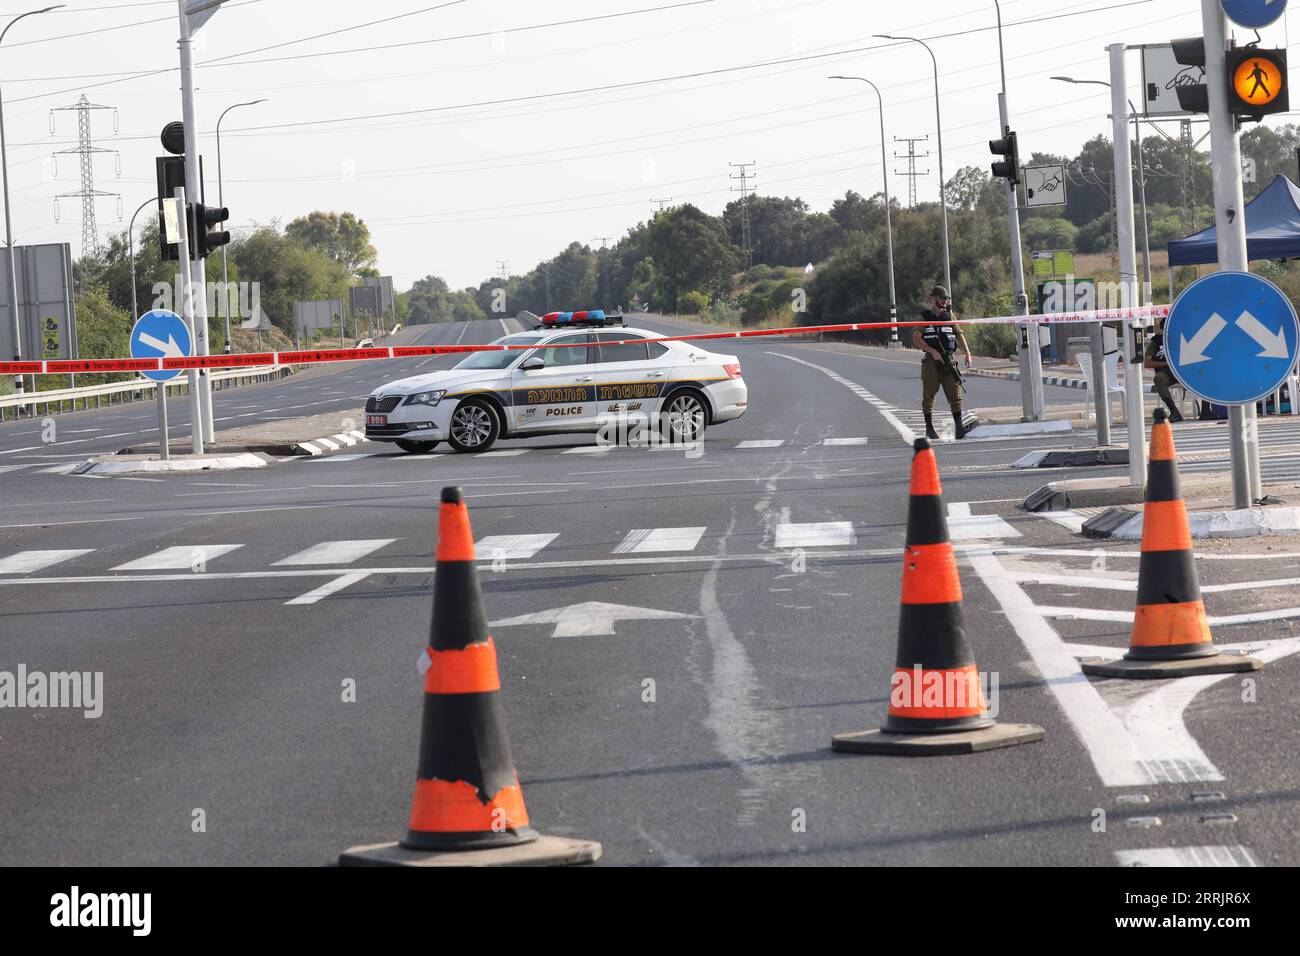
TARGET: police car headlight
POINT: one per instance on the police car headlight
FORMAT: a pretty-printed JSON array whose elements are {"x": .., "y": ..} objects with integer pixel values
[{"x": 427, "y": 398}]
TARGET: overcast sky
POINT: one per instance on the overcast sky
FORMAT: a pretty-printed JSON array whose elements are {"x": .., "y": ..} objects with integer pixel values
[{"x": 507, "y": 137}]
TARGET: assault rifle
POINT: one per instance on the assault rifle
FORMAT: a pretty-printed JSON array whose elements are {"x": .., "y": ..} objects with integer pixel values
[{"x": 946, "y": 358}]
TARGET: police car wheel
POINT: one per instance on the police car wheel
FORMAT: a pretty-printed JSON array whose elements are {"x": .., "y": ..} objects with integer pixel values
[
  {"x": 684, "y": 418},
  {"x": 416, "y": 447},
  {"x": 474, "y": 427}
]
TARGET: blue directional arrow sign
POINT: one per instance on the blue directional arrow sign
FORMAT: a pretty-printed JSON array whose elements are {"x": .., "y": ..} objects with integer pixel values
[
  {"x": 1232, "y": 338},
  {"x": 160, "y": 333},
  {"x": 1254, "y": 14}
]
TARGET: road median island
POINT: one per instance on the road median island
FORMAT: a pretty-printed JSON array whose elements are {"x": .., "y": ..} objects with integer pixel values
[
  {"x": 305, "y": 435},
  {"x": 134, "y": 464}
]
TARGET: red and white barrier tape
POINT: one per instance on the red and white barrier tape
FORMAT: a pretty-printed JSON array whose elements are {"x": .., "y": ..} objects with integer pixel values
[{"x": 317, "y": 356}]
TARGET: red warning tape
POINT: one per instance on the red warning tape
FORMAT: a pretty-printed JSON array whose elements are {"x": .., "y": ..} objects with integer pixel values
[{"x": 317, "y": 356}]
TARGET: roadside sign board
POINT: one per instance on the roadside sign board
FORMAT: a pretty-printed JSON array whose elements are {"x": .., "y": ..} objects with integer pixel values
[
  {"x": 1232, "y": 338},
  {"x": 1052, "y": 263},
  {"x": 1044, "y": 185},
  {"x": 160, "y": 333},
  {"x": 1161, "y": 77},
  {"x": 1253, "y": 14}
]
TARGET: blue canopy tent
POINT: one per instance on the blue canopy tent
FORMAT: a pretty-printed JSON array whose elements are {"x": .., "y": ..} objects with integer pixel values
[{"x": 1272, "y": 229}]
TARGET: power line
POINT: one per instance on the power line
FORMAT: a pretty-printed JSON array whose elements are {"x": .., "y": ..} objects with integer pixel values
[
  {"x": 744, "y": 176},
  {"x": 912, "y": 157}
]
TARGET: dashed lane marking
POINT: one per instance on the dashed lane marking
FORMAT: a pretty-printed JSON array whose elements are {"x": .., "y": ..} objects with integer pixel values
[
  {"x": 336, "y": 552},
  {"x": 512, "y": 546},
  {"x": 886, "y": 410},
  {"x": 25, "y": 562},
  {"x": 329, "y": 587},
  {"x": 178, "y": 558},
  {"x": 819, "y": 534},
  {"x": 761, "y": 443},
  {"x": 646, "y": 540},
  {"x": 1234, "y": 855}
]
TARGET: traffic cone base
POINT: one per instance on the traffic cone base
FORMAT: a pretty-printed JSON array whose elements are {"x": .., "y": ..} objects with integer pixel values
[
  {"x": 936, "y": 702},
  {"x": 992, "y": 737},
  {"x": 544, "y": 851},
  {"x": 1171, "y": 634},
  {"x": 1131, "y": 669}
]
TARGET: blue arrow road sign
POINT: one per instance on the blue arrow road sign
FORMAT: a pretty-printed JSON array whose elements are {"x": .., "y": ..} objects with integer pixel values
[
  {"x": 160, "y": 333},
  {"x": 1232, "y": 338},
  {"x": 1255, "y": 14}
]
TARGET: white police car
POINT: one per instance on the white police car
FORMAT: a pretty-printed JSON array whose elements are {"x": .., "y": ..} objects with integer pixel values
[{"x": 601, "y": 378}]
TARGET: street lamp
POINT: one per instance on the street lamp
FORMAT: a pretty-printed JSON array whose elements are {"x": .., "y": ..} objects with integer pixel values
[
  {"x": 1142, "y": 183},
  {"x": 943, "y": 189},
  {"x": 9, "y": 233},
  {"x": 225, "y": 292},
  {"x": 130, "y": 232},
  {"x": 889, "y": 229}
]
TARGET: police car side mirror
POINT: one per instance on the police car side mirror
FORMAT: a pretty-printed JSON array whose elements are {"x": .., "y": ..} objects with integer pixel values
[{"x": 530, "y": 364}]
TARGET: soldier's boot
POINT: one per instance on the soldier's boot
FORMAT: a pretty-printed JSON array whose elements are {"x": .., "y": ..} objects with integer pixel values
[
  {"x": 959, "y": 429},
  {"x": 930, "y": 433}
]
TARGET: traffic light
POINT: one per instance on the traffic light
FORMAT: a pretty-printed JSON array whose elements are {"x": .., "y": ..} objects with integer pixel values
[
  {"x": 205, "y": 237},
  {"x": 1257, "y": 82},
  {"x": 1008, "y": 167},
  {"x": 1193, "y": 94}
]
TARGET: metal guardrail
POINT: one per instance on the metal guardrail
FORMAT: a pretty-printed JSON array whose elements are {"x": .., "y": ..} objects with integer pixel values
[{"x": 54, "y": 400}]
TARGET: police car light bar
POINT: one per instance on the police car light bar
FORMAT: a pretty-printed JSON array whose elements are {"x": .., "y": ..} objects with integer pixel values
[{"x": 587, "y": 317}]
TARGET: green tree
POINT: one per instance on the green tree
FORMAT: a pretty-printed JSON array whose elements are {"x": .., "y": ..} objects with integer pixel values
[
  {"x": 691, "y": 252},
  {"x": 343, "y": 238}
]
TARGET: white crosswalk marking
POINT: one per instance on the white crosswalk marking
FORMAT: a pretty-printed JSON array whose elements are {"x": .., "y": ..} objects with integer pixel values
[
  {"x": 963, "y": 526},
  {"x": 340, "y": 457},
  {"x": 845, "y": 441},
  {"x": 25, "y": 562},
  {"x": 822, "y": 534},
  {"x": 588, "y": 450},
  {"x": 504, "y": 453},
  {"x": 761, "y": 443},
  {"x": 5, "y": 468},
  {"x": 1234, "y": 855},
  {"x": 511, "y": 546},
  {"x": 336, "y": 552},
  {"x": 178, "y": 558},
  {"x": 646, "y": 540}
]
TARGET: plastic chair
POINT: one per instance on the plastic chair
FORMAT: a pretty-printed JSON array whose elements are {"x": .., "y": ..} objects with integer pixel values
[{"x": 1113, "y": 386}]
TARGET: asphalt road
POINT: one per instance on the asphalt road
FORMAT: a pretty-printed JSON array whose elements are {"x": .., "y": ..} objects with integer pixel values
[{"x": 689, "y": 723}]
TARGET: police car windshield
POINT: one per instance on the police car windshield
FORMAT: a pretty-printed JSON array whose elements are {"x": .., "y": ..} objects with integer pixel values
[{"x": 491, "y": 360}]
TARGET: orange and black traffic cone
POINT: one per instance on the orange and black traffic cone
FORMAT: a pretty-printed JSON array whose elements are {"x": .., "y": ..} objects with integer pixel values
[
  {"x": 936, "y": 703},
  {"x": 1171, "y": 635},
  {"x": 468, "y": 808}
]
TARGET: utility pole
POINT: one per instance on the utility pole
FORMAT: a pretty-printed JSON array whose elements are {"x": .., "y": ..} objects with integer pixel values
[
  {"x": 604, "y": 269},
  {"x": 85, "y": 151},
  {"x": 744, "y": 176},
  {"x": 912, "y": 157}
]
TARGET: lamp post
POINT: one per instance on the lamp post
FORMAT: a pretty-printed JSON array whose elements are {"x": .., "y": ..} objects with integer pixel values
[
  {"x": 9, "y": 232},
  {"x": 164, "y": 448},
  {"x": 225, "y": 292},
  {"x": 889, "y": 229},
  {"x": 943, "y": 188},
  {"x": 1142, "y": 181},
  {"x": 130, "y": 232}
]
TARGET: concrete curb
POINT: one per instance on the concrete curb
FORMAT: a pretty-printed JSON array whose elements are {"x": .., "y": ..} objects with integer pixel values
[
  {"x": 1060, "y": 381},
  {"x": 1216, "y": 523},
  {"x": 219, "y": 463},
  {"x": 1015, "y": 429},
  {"x": 319, "y": 446}
]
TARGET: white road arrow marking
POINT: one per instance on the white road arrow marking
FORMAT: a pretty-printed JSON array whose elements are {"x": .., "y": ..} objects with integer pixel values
[
  {"x": 1273, "y": 343},
  {"x": 1194, "y": 351},
  {"x": 590, "y": 619},
  {"x": 169, "y": 349}
]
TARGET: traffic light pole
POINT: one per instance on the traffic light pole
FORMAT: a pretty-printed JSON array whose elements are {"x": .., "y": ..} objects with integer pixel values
[
  {"x": 1230, "y": 227},
  {"x": 187, "y": 314},
  {"x": 1033, "y": 405},
  {"x": 1135, "y": 410},
  {"x": 194, "y": 263}
]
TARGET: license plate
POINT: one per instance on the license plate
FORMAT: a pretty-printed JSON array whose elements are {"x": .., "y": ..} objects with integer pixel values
[{"x": 376, "y": 419}]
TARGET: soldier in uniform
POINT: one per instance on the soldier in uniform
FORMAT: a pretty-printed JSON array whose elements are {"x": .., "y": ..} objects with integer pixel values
[
  {"x": 1156, "y": 359},
  {"x": 934, "y": 340}
]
